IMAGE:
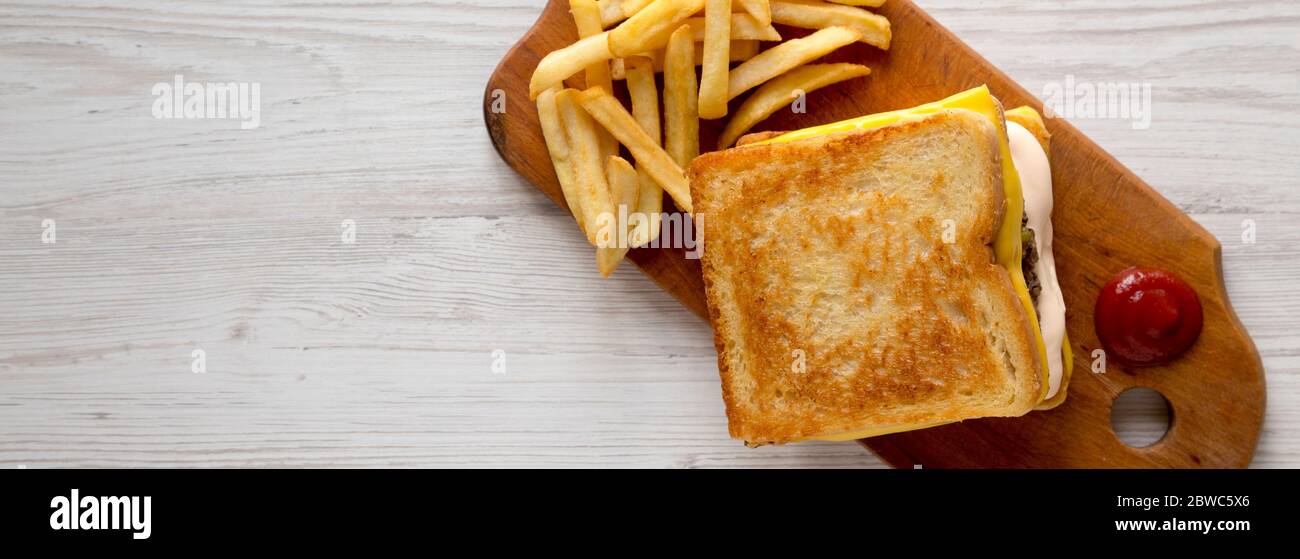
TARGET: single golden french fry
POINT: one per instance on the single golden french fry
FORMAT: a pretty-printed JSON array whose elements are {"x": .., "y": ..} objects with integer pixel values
[
  {"x": 759, "y": 9},
  {"x": 650, "y": 203},
  {"x": 610, "y": 113},
  {"x": 716, "y": 59},
  {"x": 645, "y": 109},
  {"x": 586, "y": 17},
  {"x": 644, "y": 94},
  {"x": 649, "y": 28},
  {"x": 786, "y": 56},
  {"x": 588, "y": 167},
  {"x": 560, "y": 64},
  {"x": 815, "y": 14},
  {"x": 611, "y": 12},
  {"x": 681, "y": 99},
  {"x": 743, "y": 27},
  {"x": 557, "y": 144},
  {"x": 613, "y": 239},
  {"x": 779, "y": 92}
]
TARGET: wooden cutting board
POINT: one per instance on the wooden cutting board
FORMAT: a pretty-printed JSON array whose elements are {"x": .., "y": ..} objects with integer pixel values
[{"x": 1106, "y": 219}]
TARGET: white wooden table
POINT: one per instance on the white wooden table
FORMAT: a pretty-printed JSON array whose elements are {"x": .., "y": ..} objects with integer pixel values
[{"x": 173, "y": 236}]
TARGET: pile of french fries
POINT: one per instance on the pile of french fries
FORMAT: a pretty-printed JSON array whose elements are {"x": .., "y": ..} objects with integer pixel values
[{"x": 618, "y": 204}]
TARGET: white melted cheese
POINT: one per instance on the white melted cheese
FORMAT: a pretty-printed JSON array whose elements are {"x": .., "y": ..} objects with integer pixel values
[{"x": 1036, "y": 182}]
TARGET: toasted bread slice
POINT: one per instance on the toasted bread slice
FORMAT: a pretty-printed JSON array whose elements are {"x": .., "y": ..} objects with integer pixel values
[
  {"x": 836, "y": 303},
  {"x": 1032, "y": 121}
]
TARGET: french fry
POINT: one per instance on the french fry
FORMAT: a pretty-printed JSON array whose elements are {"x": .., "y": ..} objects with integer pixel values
[
  {"x": 645, "y": 96},
  {"x": 650, "y": 204},
  {"x": 716, "y": 59},
  {"x": 681, "y": 99},
  {"x": 557, "y": 144},
  {"x": 645, "y": 109},
  {"x": 613, "y": 239},
  {"x": 861, "y": 3},
  {"x": 586, "y": 17},
  {"x": 588, "y": 167},
  {"x": 739, "y": 51},
  {"x": 649, "y": 28},
  {"x": 610, "y": 113},
  {"x": 779, "y": 92},
  {"x": 611, "y": 12},
  {"x": 631, "y": 7},
  {"x": 560, "y": 64},
  {"x": 815, "y": 14},
  {"x": 785, "y": 56},
  {"x": 743, "y": 27},
  {"x": 760, "y": 9}
]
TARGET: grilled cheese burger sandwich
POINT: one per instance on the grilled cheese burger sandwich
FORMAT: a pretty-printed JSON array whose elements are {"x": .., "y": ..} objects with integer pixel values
[{"x": 869, "y": 276}]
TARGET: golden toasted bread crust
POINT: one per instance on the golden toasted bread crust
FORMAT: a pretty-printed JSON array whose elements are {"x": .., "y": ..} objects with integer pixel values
[{"x": 836, "y": 303}]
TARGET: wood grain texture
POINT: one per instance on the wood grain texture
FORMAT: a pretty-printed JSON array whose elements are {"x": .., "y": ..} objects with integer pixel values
[{"x": 176, "y": 235}]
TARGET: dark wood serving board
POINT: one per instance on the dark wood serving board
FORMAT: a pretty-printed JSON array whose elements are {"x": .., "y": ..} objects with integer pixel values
[{"x": 1106, "y": 220}]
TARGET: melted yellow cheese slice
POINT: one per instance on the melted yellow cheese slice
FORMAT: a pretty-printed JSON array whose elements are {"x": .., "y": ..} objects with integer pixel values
[
  {"x": 1006, "y": 244},
  {"x": 1022, "y": 114}
]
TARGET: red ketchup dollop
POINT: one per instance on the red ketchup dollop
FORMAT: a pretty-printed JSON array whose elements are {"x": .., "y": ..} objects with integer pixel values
[{"x": 1146, "y": 316}]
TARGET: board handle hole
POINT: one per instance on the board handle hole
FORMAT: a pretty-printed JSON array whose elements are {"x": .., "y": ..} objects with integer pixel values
[{"x": 1140, "y": 417}]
